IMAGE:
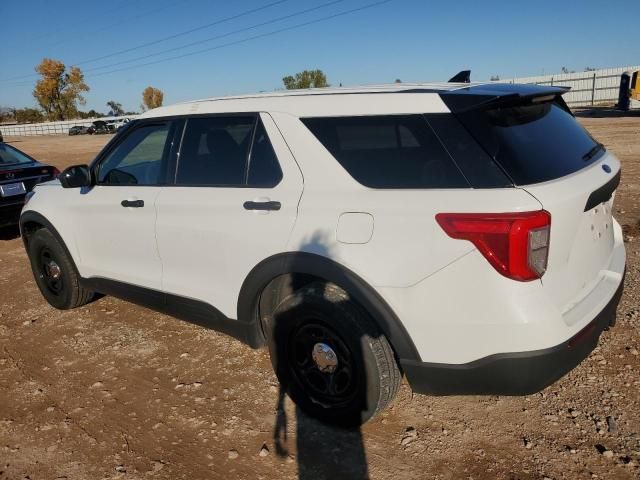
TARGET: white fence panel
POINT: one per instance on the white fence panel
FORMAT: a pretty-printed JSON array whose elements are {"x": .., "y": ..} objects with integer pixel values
[
  {"x": 587, "y": 88},
  {"x": 53, "y": 128}
]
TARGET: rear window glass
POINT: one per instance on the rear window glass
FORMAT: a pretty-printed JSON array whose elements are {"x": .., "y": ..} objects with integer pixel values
[
  {"x": 533, "y": 143},
  {"x": 10, "y": 156},
  {"x": 395, "y": 151}
]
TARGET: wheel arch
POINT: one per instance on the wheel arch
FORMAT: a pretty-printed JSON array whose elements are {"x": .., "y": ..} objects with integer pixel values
[
  {"x": 31, "y": 221},
  {"x": 273, "y": 278}
]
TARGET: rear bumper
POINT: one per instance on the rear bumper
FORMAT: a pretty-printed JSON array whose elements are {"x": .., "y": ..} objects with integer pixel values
[
  {"x": 518, "y": 373},
  {"x": 10, "y": 214}
]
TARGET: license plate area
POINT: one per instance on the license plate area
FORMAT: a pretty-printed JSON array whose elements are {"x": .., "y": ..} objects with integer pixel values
[{"x": 12, "y": 189}]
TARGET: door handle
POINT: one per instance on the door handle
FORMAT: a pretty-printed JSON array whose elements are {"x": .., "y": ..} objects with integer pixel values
[
  {"x": 132, "y": 203},
  {"x": 268, "y": 205}
]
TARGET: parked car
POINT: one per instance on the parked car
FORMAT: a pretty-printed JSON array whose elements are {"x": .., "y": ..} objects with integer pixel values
[
  {"x": 79, "y": 130},
  {"x": 118, "y": 123},
  {"x": 1, "y": 137},
  {"x": 461, "y": 235},
  {"x": 100, "y": 127},
  {"x": 19, "y": 173}
]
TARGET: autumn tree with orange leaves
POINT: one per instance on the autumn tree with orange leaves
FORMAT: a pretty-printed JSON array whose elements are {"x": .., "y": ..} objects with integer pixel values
[
  {"x": 59, "y": 91},
  {"x": 152, "y": 98}
]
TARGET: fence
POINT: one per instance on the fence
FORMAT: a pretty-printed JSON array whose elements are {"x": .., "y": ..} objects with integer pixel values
[
  {"x": 52, "y": 128},
  {"x": 587, "y": 88}
]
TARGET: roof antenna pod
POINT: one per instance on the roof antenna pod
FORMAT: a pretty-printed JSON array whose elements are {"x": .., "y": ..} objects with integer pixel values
[{"x": 463, "y": 76}]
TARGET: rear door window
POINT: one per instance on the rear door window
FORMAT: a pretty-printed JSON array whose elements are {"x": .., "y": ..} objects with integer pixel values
[
  {"x": 230, "y": 151},
  {"x": 533, "y": 143},
  {"x": 390, "y": 151}
]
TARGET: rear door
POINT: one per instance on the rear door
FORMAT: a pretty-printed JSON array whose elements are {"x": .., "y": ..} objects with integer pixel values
[
  {"x": 233, "y": 203},
  {"x": 549, "y": 154}
]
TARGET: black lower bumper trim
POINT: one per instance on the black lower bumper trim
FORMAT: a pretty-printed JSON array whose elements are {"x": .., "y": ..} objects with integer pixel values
[{"x": 520, "y": 373}]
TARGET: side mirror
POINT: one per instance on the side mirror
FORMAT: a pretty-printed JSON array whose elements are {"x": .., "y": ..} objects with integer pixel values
[{"x": 75, "y": 176}]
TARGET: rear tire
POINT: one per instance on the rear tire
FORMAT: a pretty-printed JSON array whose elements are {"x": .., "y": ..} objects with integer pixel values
[
  {"x": 330, "y": 357},
  {"x": 55, "y": 272}
]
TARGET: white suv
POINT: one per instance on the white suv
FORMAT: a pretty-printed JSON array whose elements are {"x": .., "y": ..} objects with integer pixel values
[{"x": 459, "y": 234}]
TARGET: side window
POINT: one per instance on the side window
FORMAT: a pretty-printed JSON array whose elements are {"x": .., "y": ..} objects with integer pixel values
[
  {"x": 214, "y": 151},
  {"x": 390, "y": 151},
  {"x": 137, "y": 160},
  {"x": 478, "y": 167},
  {"x": 264, "y": 169}
]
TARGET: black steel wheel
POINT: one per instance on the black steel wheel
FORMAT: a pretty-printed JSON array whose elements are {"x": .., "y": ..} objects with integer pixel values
[
  {"x": 54, "y": 271},
  {"x": 330, "y": 357},
  {"x": 50, "y": 272}
]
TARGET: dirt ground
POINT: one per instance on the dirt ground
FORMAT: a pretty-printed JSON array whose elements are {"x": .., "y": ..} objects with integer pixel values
[{"x": 112, "y": 390}]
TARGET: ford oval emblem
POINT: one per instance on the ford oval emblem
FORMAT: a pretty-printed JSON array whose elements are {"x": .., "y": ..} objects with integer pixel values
[{"x": 606, "y": 168}]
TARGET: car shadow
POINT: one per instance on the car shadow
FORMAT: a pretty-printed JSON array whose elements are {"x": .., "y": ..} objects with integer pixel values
[
  {"x": 322, "y": 451},
  {"x": 9, "y": 233}
]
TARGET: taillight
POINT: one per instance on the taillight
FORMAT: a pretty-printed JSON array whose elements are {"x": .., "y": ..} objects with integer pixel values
[
  {"x": 515, "y": 244},
  {"x": 55, "y": 172}
]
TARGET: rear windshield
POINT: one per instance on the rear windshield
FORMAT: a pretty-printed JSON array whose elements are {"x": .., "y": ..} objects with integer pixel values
[
  {"x": 388, "y": 151},
  {"x": 10, "y": 156},
  {"x": 533, "y": 143}
]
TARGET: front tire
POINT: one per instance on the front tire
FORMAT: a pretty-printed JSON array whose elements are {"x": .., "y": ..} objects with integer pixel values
[
  {"x": 55, "y": 272},
  {"x": 330, "y": 357}
]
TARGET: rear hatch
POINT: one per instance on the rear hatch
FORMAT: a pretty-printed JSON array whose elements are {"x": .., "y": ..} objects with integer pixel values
[{"x": 538, "y": 143}]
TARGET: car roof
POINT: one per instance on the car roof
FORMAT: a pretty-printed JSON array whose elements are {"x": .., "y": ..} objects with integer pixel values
[
  {"x": 393, "y": 98},
  {"x": 317, "y": 101}
]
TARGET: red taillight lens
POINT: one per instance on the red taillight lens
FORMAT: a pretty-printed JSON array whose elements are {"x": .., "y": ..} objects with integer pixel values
[
  {"x": 516, "y": 244},
  {"x": 55, "y": 172}
]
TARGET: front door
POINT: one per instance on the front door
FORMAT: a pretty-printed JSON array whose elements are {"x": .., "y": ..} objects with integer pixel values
[{"x": 116, "y": 218}]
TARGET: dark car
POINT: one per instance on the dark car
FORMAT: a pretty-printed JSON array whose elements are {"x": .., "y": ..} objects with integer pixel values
[
  {"x": 78, "y": 130},
  {"x": 101, "y": 127},
  {"x": 19, "y": 173},
  {"x": 1, "y": 139}
]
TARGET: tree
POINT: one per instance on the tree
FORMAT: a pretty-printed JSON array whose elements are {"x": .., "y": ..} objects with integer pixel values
[
  {"x": 28, "y": 115},
  {"x": 495, "y": 78},
  {"x": 398, "y": 80},
  {"x": 152, "y": 98},
  {"x": 306, "y": 79},
  {"x": 59, "y": 91},
  {"x": 589, "y": 69},
  {"x": 116, "y": 108}
]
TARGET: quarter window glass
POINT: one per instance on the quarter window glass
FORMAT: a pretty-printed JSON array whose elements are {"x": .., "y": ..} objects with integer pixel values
[
  {"x": 264, "y": 170},
  {"x": 398, "y": 151},
  {"x": 478, "y": 167},
  {"x": 214, "y": 151},
  {"x": 137, "y": 160}
]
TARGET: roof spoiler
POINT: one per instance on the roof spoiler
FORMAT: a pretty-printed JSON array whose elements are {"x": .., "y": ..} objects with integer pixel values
[
  {"x": 463, "y": 76},
  {"x": 495, "y": 94}
]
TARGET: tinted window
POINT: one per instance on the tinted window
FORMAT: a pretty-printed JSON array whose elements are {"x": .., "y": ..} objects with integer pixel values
[
  {"x": 533, "y": 143},
  {"x": 214, "y": 151},
  {"x": 137, "y": 160},
  {"x": 399, "y": 151},
  {"x": 478, "y": 167},
  {"x": 11, "y": 156},
  {"x": 264, "y": 170}
]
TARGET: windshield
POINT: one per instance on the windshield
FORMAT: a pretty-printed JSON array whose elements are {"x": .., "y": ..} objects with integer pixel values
[
  {"x": 11, "y": 156},
  {"x": 533, "y": 143}
]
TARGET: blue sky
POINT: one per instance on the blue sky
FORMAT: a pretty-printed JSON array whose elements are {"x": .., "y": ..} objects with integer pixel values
[{"x": 407, "y": 39}]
